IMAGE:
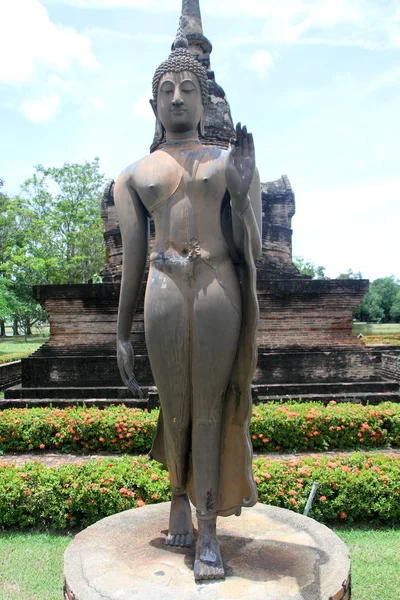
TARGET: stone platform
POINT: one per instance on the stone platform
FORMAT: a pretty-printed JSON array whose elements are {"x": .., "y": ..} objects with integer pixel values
[{"x": 268, "y": 553}]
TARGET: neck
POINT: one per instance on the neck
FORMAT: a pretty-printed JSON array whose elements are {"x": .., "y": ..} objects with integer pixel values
[{"x": 187, "y": 136}]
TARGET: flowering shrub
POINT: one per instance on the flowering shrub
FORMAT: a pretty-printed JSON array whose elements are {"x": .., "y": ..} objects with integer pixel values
[
  {"x": 356, "y": 488},
  {"x": 314, "y": 426},
  {"x": 353, "y": 489},
  {"x": 274, "y": 427}
]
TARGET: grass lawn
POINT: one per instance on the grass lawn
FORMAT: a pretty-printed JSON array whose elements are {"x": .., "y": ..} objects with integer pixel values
[
  {"x": 31, "y": 565},
  {"x": 375, "y": 562},
  {"x": 378, "y": 333},
  {"x": 14, "y": 348}
]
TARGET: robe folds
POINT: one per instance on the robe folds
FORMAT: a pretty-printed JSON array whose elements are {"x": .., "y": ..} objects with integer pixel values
[{"x": 236, "y": 484}]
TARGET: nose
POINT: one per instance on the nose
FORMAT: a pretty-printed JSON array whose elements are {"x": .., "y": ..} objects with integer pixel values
[{"x": 177, "y": 101}]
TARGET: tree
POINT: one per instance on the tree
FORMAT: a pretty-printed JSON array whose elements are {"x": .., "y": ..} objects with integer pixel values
[
  {"x": 386, "y": 288},
  {"x": 395, "y": 309},
  {"x": 369, "y": 309},
  {"x": 64, "y": 232},
  {"x": 307, "y": 267},
  {"x": 51, "y": 233},
  {"x": 350, "y": 274},
  {"x": 380, "y": 302}
]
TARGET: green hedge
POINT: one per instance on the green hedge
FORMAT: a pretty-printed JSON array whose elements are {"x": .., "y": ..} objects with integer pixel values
[
  {"x": 357, "y": 488},
  {"x": 274, "y": 427}
]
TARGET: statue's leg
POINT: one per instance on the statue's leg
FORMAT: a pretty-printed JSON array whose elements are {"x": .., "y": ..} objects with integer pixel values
[
  {"x": 167, "y": 338},
  {"x": 216, "y": 330}
]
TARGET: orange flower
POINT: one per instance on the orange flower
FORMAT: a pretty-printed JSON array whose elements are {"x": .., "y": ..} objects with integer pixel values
[
  {"x": 140, "y": 502},
  {"x": 101, "y": 439},
  {"x": 322, "y": 498},
  {"x": 293, "y": 501},
  {"x": 257, "y": 479},
  {"x": 154, "y": 477},
  {"x": 154, "y": 496},
  {"x": 41, "y": 446},
  {"x": 292, "y": 492},
  {"x": 27, "y": 492}
]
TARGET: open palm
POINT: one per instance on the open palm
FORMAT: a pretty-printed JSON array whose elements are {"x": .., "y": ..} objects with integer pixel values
[{"x": 240, "y": 166}]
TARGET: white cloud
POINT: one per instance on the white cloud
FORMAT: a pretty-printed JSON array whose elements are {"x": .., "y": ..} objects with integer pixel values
[
  {"x": 160, "y": 5},
  {"x": 260, "y": 61},
  {"x": 29, "y": 40},
  {"x": 142, "y": 109},
  {"x": 372, "y": 24},
  {"x": 104, "y": 34},
  {"x": 42, "y": 110}
]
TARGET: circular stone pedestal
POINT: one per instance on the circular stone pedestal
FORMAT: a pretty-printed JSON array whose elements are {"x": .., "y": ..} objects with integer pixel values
[{"x": 268, "y": 552}]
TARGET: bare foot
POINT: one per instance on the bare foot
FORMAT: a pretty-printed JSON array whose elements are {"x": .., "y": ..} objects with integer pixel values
[
  {"x": 180, "y": 531},
  {"x": 208, "y": 562}
]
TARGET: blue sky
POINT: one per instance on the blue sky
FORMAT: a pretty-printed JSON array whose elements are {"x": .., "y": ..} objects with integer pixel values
[{"x": 317, "y": 81}]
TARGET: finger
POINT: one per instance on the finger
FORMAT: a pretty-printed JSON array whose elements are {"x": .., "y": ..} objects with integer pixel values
[
  {"x": 245, "y": 142},
  {"x": 239, "y": 142},
  {"x": 252, "y": 149},
  {"x": 232, "y": 147},
  {"x": 133, "y": 385}
]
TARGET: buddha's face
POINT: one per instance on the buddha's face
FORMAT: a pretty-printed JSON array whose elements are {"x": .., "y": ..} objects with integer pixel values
[{"x": 179, "y": 105}]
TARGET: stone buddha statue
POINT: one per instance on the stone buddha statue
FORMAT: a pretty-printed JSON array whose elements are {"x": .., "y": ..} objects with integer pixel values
[{"x": 201, "y": 308}]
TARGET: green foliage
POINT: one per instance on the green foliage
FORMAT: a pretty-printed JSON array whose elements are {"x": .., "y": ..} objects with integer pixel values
[
  {"x": 308, "y": 267},
  {"x": 286, "y": 427},
  {"x": 77, "y": 495},
  {"x": 395, "y": 308},
  {"x": 355, "y": 488},
  {"x": 383, "y": 295},
  {"x": 49, "y": 234},
  {"x": 63, "y": 240},
  {"x": 350, "y": 274}
]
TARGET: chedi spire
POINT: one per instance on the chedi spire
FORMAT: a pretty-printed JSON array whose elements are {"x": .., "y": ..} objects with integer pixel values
[{"x": 192, "y": 26}]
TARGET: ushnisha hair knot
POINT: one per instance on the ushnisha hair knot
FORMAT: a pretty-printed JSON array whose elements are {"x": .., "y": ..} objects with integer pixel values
[{"x": 180, "y": 60}]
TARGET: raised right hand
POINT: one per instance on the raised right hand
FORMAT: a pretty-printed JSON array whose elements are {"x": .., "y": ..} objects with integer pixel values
[{"x": 126, "y": 365}]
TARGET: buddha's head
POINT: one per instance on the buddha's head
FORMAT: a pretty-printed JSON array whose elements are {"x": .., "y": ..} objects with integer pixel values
[{"x": 180, "y": 91}]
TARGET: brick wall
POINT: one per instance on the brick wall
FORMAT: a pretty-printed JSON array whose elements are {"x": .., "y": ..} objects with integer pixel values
[
  {"x": 304, "y": 313},
  {"x": 391, "y": 367},
  {"x": 10, "y": 374}
]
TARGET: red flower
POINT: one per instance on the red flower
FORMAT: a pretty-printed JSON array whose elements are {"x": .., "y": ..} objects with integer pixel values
[{"x": 343, "y": 515}]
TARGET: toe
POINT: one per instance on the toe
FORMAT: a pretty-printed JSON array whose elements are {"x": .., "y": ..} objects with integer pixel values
[
  {"x": 189, "y": 540},
  {"x": 220, "y": 573},
  {"x": 177, "y": 541},
  {"x": 196, "y": 569}
]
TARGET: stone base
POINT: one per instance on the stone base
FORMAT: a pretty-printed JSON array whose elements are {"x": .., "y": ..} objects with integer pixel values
[{"x": 268, "y": 553}]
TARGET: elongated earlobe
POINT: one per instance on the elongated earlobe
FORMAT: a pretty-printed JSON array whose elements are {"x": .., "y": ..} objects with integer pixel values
[
  {"x": 202, "y": 124},
  {"x": 159, "y": 134}
]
